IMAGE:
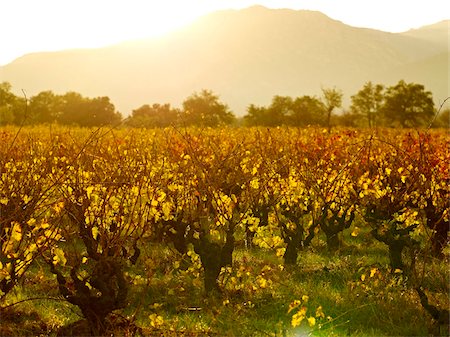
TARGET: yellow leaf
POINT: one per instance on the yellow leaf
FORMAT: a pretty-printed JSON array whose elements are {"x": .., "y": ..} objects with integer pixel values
[
  {"x": 363, "y": 277},
  {"x": 26, "y": 199},
  {"x": 4, "y": 201},
  {"x": 280, "y": 252},
  {"x": 298, "y": 317},
  {"x": 59, "y": 257},
  {"x": 311, "y": 321},
  {"x": 45, "y": 225},
  {"x": 162, "y": 196},
  {"x": 58, "y": 206},
  {"x": 94, "y": 231},
  {"x": 373, "y": 271},
  {"x": 319, "y": 312},
  {"x": 16, "y": 232},
  {"x": 262, "y": 282},
  {"x": 135, "y": 190},
  {"x": 4, "y": 274},
  {"x": 254, "y": 183},
  {"x": 294, "y": 305},
  {"x": 89, "y": 191},
  {"x": 156, "y": 320},
  {"x": 355, "y": 231},
  {"x": 166, "y": 210}
]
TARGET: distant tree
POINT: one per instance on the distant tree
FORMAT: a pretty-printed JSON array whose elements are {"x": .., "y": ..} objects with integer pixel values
[
  {"x": 205, "y": 109},
  {"x": 349, "y": 119},
  {"x": 71, "y": 110},
  {"x": 332, "y": 99},
  {"x": 6, "y": 115},
  {"x": 156, "y": 115},
  {"x": 8, "y": 102},
  {"x": 280, "y": 108},
  {"x": 78, "y": 110},
  {"x": 367, "y": 102},
  {"x": 275, "y": 114},
  {"x": 44, "y": 107},
  {"x": 100, "y": 111},
  {"x": 306, "y": 110},
  {"x": 408, "y": 105},
  {"x": 6, "y": 96},
  {"x": 256, "y": 116},
  {"x": 13, "y": 109},
  {"x": 443, "y": 119}
]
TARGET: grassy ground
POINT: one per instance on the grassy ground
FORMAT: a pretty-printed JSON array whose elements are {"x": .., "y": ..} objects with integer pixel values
[{"x": 358, "y": 295}]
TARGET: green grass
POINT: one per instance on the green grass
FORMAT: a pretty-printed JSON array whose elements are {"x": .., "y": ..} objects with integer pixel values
[{"x": 381, "y": 305}]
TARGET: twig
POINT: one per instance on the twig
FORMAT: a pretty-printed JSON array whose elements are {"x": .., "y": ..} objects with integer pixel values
[
  {"x": 21, "y": 124},
  {"x": 437, "y": 113},
  {"x": 345, "y": 313},
  {"x": 32, "y": 299}
]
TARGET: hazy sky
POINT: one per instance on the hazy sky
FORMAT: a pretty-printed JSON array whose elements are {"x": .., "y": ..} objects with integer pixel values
[{"x": 40, "y": 25}]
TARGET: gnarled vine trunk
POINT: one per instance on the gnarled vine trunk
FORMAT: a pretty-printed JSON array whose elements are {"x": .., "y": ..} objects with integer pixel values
[{"x": 213, "y": 257}]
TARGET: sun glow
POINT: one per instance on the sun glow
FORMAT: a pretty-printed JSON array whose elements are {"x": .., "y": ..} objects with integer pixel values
[
  {"x": 45, "y": 25},
  {"x": 54, "y": 25}
]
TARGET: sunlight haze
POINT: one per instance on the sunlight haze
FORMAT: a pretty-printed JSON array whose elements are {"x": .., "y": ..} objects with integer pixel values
[{"x": 32, "y": 26}]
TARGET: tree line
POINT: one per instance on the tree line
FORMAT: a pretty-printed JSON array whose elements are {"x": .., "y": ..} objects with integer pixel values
[
  {"x": 47, "y": 107},
  {"x": 400, "y": 105}
]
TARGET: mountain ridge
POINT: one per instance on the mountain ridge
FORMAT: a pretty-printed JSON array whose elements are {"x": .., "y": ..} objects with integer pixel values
[{"x": 245, "y": 56}]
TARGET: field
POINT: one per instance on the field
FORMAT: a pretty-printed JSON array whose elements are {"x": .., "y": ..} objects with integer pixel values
[{"x": 224, "y": 232}]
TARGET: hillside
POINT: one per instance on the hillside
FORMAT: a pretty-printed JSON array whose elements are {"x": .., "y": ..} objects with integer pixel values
[
  {"x": 438, "y": 33},
  {"x": 245, "y": 56}
]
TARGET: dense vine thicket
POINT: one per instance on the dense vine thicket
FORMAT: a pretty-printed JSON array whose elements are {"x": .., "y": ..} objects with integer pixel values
[{"x": 88, "y": 201}]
